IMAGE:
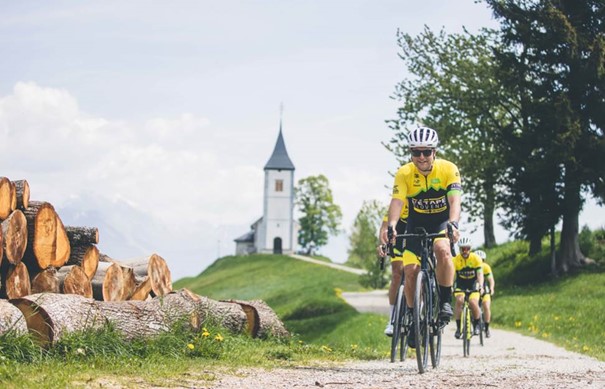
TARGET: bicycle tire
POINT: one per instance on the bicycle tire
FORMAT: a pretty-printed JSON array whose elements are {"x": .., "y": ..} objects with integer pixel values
[
  {"x": 397, "y": 321},
  {"x": 481, "y": 326},
  {"x": 421, "y": 316},
  {"x": 466, "y": 330},
  {"x": 405, "y": 328},
  {"x": 436, "y": 329}
]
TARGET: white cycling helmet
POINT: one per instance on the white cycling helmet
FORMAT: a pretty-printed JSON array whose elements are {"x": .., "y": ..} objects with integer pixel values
[
  {"x": 481, "y": 254},
  {"x": 423, "y": 137},
  {"x": 464, "y": 242}
]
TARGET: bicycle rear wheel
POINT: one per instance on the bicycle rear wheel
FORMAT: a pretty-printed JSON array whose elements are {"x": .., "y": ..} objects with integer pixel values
[
  {"x": 466, "y": 330},
  {"x": 397, "y": 321},
  {"x": 421, "y": 323}
]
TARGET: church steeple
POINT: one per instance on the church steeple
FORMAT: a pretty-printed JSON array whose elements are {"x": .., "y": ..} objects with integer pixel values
[{"x": 279, "y": 159}]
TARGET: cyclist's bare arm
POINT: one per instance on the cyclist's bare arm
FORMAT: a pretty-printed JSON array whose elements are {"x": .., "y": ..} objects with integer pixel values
[
  {"x": 455, "y": 203},
  {"x": 382, "y": 237},
  {"x": 394, "y": 213}
]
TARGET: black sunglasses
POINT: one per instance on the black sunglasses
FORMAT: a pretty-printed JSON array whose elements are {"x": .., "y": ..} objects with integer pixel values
[{"x": 426, "y": 153}]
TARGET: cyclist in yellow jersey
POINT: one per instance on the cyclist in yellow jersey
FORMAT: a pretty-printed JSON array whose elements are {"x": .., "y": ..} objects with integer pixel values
[
  {"x": 489, "y": 286},
  {"x": 396, "y": 262},
  {"x": 432, "y": 189},
  {"x": 469, "y": 275}
]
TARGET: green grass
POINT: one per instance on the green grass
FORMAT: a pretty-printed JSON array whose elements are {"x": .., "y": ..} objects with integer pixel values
[{"x": 565, "y": 310}]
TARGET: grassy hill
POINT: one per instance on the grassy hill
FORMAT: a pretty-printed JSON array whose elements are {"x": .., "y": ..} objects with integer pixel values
[{"x": 566, "y": 310}]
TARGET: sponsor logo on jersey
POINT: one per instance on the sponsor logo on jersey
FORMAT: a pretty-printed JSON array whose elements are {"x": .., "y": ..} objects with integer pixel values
[
  {"x": 395, "y": 189},
  {"x": 434, "y": 205}
]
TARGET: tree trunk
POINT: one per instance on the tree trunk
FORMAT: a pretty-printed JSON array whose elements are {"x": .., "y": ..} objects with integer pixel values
[
  {"x": 489, "y": 235},
  {"x": 47, "y": 242},
  {"x": 50, "y": 316},
  {"x": 570, "y": 255},
  {"x": 142, "y": 289},
  {"x": 262, "y": 320},
  {"x": 22, "y": 189},
  {"x": 108, "y": 282},
  {"x": 11, "y": 319},
  {"x": 17, "y": 282},
  {"x": 5, "y": 197},
  {"x": 81, "y": 236},
  {"x": 14, "y": 234},
  {"x": 156, "y": 269},
  {"x": 535, "y": 245},
  {"x": 85, "y": 256},
  {"x": 73, "y": 280},
  {"x": 553, "y": 252},
  {"x": 46, "y": 281}
]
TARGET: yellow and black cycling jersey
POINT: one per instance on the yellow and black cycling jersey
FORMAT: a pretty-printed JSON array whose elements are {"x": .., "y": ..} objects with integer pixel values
[
  {"x": 466, "y": 270},
  {"x": 426, "y": 196},
  {"x": 403, "y": 216},
  {"x": 487, "y": 273}
]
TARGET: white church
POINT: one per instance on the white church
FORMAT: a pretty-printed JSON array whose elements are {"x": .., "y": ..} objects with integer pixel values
[{"x": 276, "y": 231}]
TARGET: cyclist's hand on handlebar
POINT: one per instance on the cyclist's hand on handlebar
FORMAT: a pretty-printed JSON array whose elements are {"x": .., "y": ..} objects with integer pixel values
[
  {"x": 455, "y": 232},
  {"x": 381, "y": 249}
]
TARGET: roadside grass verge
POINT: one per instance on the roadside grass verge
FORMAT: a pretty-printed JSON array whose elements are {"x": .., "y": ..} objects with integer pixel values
[{"x": 565, "y": 310}]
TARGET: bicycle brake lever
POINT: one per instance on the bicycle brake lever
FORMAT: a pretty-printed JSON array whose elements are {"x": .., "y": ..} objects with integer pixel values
[{"x": 450, "y": 235}]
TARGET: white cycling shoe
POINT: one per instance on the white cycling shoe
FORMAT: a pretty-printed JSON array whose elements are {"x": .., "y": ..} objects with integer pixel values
[{"x": 388, "y": 331}]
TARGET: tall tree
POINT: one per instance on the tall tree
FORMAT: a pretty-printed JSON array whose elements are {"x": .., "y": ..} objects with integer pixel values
[
  {"x": 321, "y": 216},
  {"x": 364, "y": 235},
  {"x": 453, "y": 88},
  {"x": 556, "y": 50}
]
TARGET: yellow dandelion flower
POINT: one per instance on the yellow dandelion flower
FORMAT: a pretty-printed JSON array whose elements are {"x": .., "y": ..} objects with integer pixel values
[
  {"x": 545, "y": 334},
  {"x": 219, "y": 338},
  {"x": 326, "y": 349},
  {"x": 518, "y": 324},
  {"x": 585, "y": 348},
  {"x": 205, "y": 334},
  {"x": 190, "y": 346}
]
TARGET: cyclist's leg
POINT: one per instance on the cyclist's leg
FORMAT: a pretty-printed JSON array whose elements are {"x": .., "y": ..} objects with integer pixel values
[
  {"x": 411, "y": 266},
  {"x": 396, "y": 275},
  {"x": 473, "y": 302},
  {"x": 487, "y": 312},
  {"x": 459, "y": 296},
  {"x": 445, "y": 271}
]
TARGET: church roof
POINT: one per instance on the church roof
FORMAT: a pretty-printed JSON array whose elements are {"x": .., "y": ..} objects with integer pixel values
[
  {"x": 279, "y": 159},
  {"x": 247, "y": 237}
]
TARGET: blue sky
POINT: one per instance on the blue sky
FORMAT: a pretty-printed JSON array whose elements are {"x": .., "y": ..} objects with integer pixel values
[{"x": 152, "y": 120}]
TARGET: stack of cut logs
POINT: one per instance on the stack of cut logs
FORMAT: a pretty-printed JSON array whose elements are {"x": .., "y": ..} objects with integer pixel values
[{"x": 55, "y": 274}]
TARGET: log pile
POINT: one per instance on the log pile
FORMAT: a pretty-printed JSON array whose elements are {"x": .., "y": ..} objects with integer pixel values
[{"x": 57, "y": 281}]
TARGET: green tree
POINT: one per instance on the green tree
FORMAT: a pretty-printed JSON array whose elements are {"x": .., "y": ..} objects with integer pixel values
[
  {"x": 321, "y": 217},
  {"x": 363, "y": 241},
  {"x": 453, "y": 88},
  {"x": 555, "y": 52}
]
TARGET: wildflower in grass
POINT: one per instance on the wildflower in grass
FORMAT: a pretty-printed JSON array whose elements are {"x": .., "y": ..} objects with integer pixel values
[
  {"x": 557, "y": 318},
  {"x": 585, "y": 348},
  {"x": 300, "y": 342},
  {"x": 338, "y": 292},
  {"x": 545, "y": 335},
  {"x": 354, "y": 347},
  {"x": 518, "y": 324},
  {"x": 326, "y": 349},
  {"x": 190, "y": 346},
  {"x": 205, "y": 333},
  {"x": 219, "y": 338},
  {"x": 536, "y": 318}
]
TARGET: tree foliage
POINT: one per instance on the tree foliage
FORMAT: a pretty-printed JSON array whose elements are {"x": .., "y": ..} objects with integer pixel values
[
  {"x": 320, "y": 216},
  {"x": 363, "y": 241},
  {"x": 553, "y": 52}
]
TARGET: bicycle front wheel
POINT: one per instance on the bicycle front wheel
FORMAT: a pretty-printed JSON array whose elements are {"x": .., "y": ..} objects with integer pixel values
[
  {"x": 436, "y": 329},
  {"x": 397, "y": 321},
  {"x": 466, "y": 330},
  {"x": 481, "y": 325},
  {"x": 421, "y": 323}
]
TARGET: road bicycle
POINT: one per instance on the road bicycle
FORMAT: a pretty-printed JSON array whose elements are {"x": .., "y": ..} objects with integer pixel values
[
  {"x": 427, "y": 325},
  {"x": 401, "y": 321},
  {"x": 467, "y": 323}
]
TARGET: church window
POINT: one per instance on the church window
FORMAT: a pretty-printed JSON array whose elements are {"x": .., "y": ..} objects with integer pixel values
[{"x": 279, "y": 185}]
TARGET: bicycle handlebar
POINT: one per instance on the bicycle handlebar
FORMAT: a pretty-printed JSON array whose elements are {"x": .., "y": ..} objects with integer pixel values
[{"x": 421, "y": 234}]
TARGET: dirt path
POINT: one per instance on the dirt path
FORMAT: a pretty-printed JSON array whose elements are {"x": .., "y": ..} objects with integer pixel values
[{"x": 508, "y": 360}]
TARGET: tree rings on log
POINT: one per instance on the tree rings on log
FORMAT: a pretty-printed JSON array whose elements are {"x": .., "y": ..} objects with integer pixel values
[
  {"x": 73, "y": 280},
  {"x": 17, "y": 281},
  {"x": 87, "y": 257},
  {"x": 5, "y": 197},
  {"x": 14, "y": 236},
  {"x": 46, "y": 281},
  {"x": 47, "y": 239},
  {"x": 22, "y": 189}
]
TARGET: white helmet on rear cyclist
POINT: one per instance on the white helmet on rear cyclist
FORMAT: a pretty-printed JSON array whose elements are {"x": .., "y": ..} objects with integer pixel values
[
  {"x": 464, "y": 242},
  {"x": 481, "y": 254},
  {"x": 423, "y": 137}
]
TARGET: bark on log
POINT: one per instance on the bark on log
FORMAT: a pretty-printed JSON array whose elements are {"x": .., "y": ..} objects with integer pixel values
[
  {"x": 5, "y": 197},
  {"x": 17, "y": 282},
  {"x": 262, "y": 320},
  {"x": 50, "y": 316},
  {"x": 87, "y": 257},
  {"x": 46, "y": 281},
  {"x": 73, "y": 280},
  {"x": 13, "y": 196},
  {"x": 47, "y": 242},
  {"x": 81, "y": 236},
  {"x": 22, "y": 188},
  {"x": 11, "y": 319},
  {"x": 14, "y": 237},
  {"x": 108, "y": 282}
]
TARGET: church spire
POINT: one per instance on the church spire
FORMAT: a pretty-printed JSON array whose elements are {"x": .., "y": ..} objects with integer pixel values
[{"x": 279, "y": 159}]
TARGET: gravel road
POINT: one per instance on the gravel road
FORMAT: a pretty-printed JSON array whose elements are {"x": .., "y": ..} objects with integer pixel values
[{"x": 508, "y": 360}]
